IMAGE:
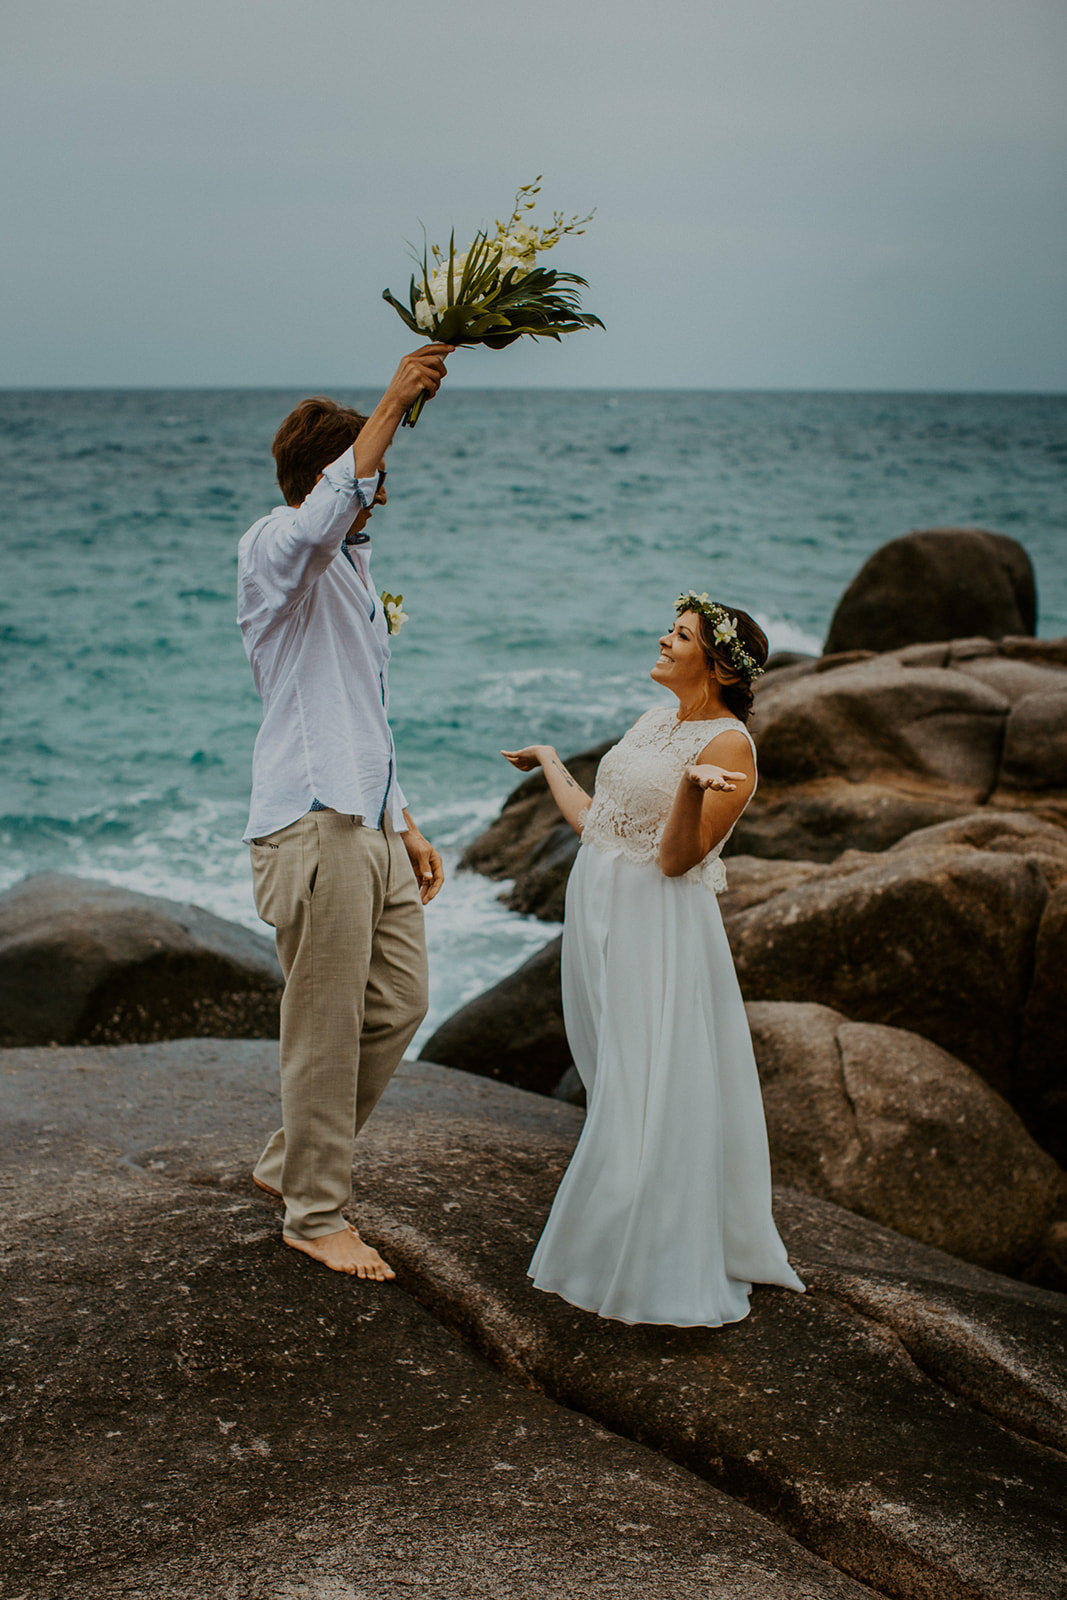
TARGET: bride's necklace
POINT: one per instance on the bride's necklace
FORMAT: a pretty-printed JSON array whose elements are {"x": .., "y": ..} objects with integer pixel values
[
  {"x": 667, "y": 731},
  {"x": 690, "y": 716}
]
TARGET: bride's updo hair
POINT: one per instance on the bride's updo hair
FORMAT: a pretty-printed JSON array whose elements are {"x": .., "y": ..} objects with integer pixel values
[{"x": 735, "y": 688}]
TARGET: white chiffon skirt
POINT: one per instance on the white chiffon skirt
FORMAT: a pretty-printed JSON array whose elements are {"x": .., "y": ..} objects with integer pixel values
[{"x": 664, "y": 1214}]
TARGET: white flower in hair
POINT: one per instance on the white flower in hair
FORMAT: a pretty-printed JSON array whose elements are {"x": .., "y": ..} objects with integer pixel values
[{"x": 724, "y": 631}]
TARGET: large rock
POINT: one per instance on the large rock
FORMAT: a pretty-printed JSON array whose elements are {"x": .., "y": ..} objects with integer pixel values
[
  {"x": 512, "y": 1032},
  {"x": 189, "y": 1405},
  {"x": 886, "y": 1124},
  {"x": 818, "y": 820},
  {"x": 1014, "y": 677},
  {"x": 190, "y": 1409},
  {"x": 85, "y": 962},
  {"x": 883, "y": 719},
  {"x": 938, "y": 583},
  {"x": 1041, "y": 1077},
  {"x": 1012, "y": 833},
  {"x": 951, "y": 933},
  {"x": 751, "y": 880},
  {"x": 540, "y": 887},
  {"x": 853, "y": 759},
  {"x": 856, "y": 755},
  {"x": 1035, "y": 740},
  {"x": 937, "y": 940}
]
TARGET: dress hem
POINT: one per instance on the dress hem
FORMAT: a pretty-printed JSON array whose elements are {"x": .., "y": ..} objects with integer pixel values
[{"x": 640, "y": 1322}]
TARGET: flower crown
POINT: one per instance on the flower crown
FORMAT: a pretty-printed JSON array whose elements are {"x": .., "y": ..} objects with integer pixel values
[{"x": 724, "y": 630}]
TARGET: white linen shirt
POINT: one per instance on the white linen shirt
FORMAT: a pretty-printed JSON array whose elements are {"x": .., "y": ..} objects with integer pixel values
[{"x": 317, "y": 638}]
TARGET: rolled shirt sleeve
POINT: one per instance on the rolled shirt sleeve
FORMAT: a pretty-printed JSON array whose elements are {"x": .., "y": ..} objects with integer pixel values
[{"x": 290, "y": 548}]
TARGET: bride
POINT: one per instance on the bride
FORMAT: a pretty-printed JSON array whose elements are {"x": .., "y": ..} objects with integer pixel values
[{"x": 664, "y": 1214}]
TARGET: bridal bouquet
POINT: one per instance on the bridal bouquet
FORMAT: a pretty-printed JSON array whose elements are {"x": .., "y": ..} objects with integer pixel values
[{"x": 492, "y": 292}]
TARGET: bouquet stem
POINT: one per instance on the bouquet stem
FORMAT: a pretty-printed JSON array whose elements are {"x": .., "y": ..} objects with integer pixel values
[{"x": 414, "y": 410}]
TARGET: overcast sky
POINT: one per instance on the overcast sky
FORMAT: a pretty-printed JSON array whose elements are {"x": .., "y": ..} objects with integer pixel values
[{"x": 789, "y": 193}]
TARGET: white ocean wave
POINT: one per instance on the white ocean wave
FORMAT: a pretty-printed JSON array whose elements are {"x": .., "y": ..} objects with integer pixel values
[
  {"x": 785, "y": 635},
  {"x": 473, "y": 941}
]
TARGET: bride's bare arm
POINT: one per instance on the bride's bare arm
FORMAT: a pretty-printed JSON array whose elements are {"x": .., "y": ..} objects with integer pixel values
[
  {"x": 709, "y": 799},
  {"x": 571, "y": 798}
]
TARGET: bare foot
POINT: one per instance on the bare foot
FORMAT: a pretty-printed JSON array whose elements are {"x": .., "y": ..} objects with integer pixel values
[
  {"x": 345, "y": 1251},
  {"x": 276, "y": 1194}
]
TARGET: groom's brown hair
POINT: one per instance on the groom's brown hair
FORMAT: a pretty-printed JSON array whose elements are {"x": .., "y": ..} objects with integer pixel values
[{"x": 314, "y": 433}]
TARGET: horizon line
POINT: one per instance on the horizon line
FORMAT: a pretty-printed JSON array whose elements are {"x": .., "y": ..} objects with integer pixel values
[{"x": 533, "y": 388}]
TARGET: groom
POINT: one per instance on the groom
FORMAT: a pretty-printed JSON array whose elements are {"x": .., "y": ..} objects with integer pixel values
[{"x": 339, "y": 868}]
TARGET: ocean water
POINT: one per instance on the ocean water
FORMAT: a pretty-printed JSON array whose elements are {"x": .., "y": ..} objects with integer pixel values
[{"x": 538, "y": 539}]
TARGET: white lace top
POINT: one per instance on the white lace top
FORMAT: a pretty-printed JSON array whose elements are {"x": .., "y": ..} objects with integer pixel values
[{"x": 636, "y": 785}]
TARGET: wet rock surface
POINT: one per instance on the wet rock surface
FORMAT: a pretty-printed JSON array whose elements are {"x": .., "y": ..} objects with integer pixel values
[
  {"x": 82, "y": 962},
  {"x": 936, "y": 583},
  {"x": 189, "y": 1406}
]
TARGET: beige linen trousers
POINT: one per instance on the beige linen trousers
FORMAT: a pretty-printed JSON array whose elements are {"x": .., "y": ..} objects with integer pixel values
[{"x": 348, "y": 921}]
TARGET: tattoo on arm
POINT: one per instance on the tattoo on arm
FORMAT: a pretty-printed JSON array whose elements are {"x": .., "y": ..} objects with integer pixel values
[{"x": 566, "y": 775}]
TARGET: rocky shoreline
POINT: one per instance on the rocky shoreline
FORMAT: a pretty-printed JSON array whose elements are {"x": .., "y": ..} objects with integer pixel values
[{"x": 190, "y": 1408}]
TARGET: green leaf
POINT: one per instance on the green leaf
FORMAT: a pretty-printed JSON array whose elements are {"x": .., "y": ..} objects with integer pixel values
[{"x": 402, "y": 312}]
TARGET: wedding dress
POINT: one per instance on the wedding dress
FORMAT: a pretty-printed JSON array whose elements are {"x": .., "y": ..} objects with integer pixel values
[{"x": 664, "y": 1213}]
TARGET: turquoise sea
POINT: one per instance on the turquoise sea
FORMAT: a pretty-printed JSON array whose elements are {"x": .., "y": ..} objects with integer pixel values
[{"x": 538, "y": 539}]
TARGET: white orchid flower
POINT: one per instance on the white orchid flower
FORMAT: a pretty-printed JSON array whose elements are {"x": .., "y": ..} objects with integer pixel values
[{"x": 395, "y": 615}]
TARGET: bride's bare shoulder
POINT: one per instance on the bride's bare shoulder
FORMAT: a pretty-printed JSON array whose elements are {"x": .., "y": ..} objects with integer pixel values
[{"x": 730, "y": 744}]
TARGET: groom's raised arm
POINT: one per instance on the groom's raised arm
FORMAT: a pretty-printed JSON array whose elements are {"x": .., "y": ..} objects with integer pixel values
[{"x": 421, "y": 371}]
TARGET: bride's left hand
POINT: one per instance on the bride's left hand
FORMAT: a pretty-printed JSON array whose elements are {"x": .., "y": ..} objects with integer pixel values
[{"x": 708, "y": 777}]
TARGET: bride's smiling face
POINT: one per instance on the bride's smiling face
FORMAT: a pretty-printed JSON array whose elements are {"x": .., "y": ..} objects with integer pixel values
[{"x": 682, "y": 666}]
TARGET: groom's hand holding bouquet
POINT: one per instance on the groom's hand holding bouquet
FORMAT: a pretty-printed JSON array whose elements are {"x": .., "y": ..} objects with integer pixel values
[{"x": 419, "y": 374}]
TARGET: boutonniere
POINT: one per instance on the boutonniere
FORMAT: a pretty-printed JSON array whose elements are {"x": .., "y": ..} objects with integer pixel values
[{"x": 395, "y": 615}]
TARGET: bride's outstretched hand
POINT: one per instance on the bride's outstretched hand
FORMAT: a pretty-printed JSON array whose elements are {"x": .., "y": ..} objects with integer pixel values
[
  {"x": 708, "y": 777},
  {"x": 526, "y": 760},
  {"x": 571, "y": 798}
]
